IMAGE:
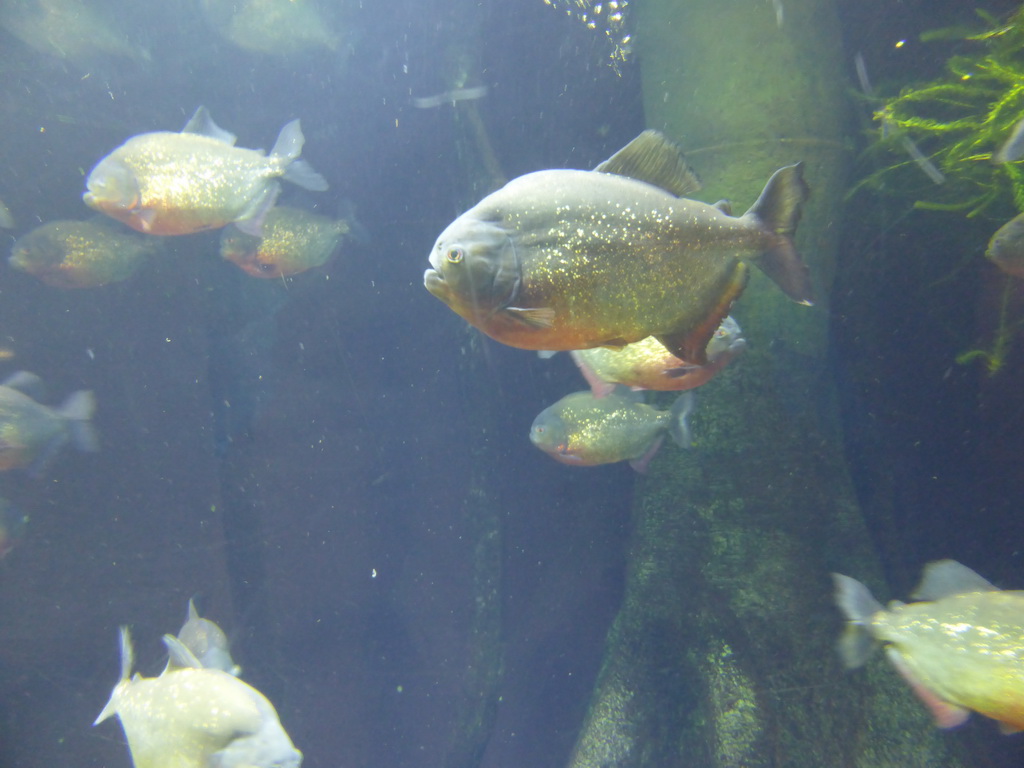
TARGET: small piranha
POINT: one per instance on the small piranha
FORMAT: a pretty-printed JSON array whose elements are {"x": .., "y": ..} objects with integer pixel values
[
  {"x": 196, "y": 717},
  {"x": 646, "y": 364},
  {"x": 6, "y": 217},
  {"x": 960, "y": 648},
  {"x": 207, "y": 642},
  {"x": 1006, "y": 248},
  {"x": 73, "y": 30},
  {"x": 166, "y": 183},
  {"x": 293, "y": 241},
  {"x": 32, "y": 433},
  {"x": 1013, "y": 148},
  {"x": 564, "y": 259},
  {"x": 12, "y": 526},
  {"x": 583, "y": 430},
  {"x": 275, "y": 27},
  {"x": 81, "y": 254}
]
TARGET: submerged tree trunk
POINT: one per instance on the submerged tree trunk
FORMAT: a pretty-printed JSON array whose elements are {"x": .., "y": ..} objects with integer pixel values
[{"x": 723, "y": 652}]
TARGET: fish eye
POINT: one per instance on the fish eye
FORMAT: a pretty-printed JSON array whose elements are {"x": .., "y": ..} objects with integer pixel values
[
  {"x": 539, "y": 430},
  {"x": 454, "y": 255},
  {"x": 266, "y": 267}
]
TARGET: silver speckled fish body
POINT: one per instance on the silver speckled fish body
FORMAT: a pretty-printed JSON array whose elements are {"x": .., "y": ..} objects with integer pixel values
[{"x": 566, "y": 259}]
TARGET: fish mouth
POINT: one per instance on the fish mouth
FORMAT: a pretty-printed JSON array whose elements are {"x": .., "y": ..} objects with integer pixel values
[{"x": 434, "y": 282}]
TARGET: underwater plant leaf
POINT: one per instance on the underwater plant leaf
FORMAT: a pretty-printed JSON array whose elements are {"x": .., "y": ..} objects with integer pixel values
[{"x": 957, "y": 32}]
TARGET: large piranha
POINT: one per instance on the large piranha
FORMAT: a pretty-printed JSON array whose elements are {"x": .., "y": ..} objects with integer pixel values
[{"x": 568, "y": 259}]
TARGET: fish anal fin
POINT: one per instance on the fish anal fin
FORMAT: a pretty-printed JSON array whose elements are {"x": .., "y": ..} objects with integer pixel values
[
  {"x": 251, "y": 220},
  {"x": 651, "y": 157},
  {"x": 640, "y": 463},
  {"x": 692, "y": 346},
  {"x": 946, "y": 714},
  {"x": 536, "y": 317}
]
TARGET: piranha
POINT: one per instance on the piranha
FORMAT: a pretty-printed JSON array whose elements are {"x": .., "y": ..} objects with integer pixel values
[
  {"x": 207, "y": 642},
  {"x": 564, "y": 259},
  {"x": 166, "y": 183},
  {"x": 960, "y": 648},
  {"x": 32, "y": 433},
  {"x": 1006, "y": 248},
  {"x": 12, "y": 526},
  {"x": 196, "y": 717},
  {"x": 6, "y": 217},
  {"x": 81, "y": 254},
  {"x": 274, "y": 27},
  {"x": 583, "y": 430},
  {"x": 646, "y": 364},
  {"x": 73, "y": 30},
  {"x": 293, "y": 241}
]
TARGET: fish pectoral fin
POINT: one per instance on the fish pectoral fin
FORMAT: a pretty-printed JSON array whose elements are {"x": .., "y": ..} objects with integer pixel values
[
  {"x": 946, "y": 714},
  {"x": 145, "y": 219},
  {"x": 652, "y": 158},
  {"x": 537, "y": 317},
  {"x": 680, "y": 370}
]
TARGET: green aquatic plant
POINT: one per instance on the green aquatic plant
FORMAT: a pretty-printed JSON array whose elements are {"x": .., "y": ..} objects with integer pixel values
[
  {"x": 959, "y": 121},
  {"x": 994, "y": 357},
  {"x": 948, "y": 134}
]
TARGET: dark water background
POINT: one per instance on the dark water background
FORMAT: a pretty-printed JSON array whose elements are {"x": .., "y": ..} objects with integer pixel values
[{"x": 328, "y": 540}]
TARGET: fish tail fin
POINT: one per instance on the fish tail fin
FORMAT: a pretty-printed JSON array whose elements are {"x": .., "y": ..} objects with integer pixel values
[
  {"x": 127, "y": 662},
  {"x": 777, "y": 212},
  {"x": 678, "y": 425},
  {"x": 78, "y": 410},
  {"x": 858, "y": 604},
  {"x": 287, "y": 148}
]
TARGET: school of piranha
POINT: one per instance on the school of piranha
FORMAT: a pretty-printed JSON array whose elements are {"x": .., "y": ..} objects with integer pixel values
[{"x": 616, "y": 266}]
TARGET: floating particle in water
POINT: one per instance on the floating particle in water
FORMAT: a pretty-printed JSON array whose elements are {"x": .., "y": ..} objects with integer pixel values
[{"x": 607, "y": 16}]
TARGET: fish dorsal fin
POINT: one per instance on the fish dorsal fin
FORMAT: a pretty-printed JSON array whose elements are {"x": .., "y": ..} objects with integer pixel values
[
  {"x": 25, "y": 382},
  {"x": 202, "y": 124},
  {"x": 944, "y": 578},
  {"x": 652, "y": 158},
  {"x": 180, "y": 656}
]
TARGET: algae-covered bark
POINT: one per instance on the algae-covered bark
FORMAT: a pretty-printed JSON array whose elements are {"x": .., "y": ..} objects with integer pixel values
[{"x": 723, "y": 652}]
